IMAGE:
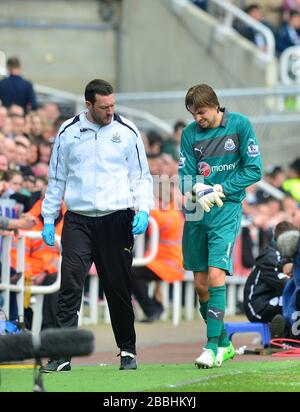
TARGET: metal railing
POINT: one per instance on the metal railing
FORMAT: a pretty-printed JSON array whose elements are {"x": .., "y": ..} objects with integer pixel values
[
  {"x": 20, "y": 286},
  {"x": 232, "y": 12},
  {"x": 130, "y": 112}
]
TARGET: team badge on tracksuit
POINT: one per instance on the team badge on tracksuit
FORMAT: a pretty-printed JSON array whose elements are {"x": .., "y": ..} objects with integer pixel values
[{"x": 116, "y": 138}]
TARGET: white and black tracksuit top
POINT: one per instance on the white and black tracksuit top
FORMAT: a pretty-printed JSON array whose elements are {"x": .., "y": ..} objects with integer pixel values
[{"x": 97, "y": 169}]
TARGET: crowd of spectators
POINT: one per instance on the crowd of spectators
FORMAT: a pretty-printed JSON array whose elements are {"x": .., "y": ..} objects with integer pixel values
[
  {"x": 281, "y": 17},
  {"x": 27, "y": 133}
]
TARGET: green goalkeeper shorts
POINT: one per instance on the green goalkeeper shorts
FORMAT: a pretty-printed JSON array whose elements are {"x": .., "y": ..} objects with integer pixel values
[{"x": 209, "y": 241}]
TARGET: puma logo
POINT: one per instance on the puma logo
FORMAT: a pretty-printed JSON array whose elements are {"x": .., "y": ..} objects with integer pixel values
[
  {"x": 214, "y": 313},
  {"x": 199, "y": 150},
  {"x": 128, "y": 249}
]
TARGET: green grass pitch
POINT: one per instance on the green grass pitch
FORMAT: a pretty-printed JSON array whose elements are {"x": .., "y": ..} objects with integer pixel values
[{"x": 281, "y": 376}]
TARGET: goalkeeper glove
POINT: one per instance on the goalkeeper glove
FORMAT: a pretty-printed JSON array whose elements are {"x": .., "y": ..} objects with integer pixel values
[{"x": 207, "y": 195}]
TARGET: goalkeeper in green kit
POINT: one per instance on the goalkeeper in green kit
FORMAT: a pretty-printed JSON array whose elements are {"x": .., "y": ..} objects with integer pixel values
[{"x": 219, "y": 159}]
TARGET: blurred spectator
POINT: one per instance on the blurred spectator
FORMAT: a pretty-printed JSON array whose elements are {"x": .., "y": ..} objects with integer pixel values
[
  {"x": 169, "y": 168},
  {"x": 16, "y": 110},
  {"x": 265, "y": 284},
  {"x": 16, "y": 90},
  {"x": 289, "y": 205},
  {"x": 3, "y": 117},
  {"x": 10, "y": 152},
  {"x": 33, "y": 154},
  {"x": 12, "y": 189},
  {"x": 15, "y": 182},
  {"x": 288, "y": 33},
  {"x": 296, "y": 219},
  {"x": 289, "y": 5},
  {"x": 23, "y": 140},
  {"x": 3, "y": 165},
  {"x": 154, "y": 142},
  {"x": 154, "y": 163},
  {"x": 171, "y": 145},
  {"x": 41, "y": 184},
  {"x": 275, "y": 176},
  {"x": 25, "y": 222},
  {"x": 292, "y": 183},
  {"x": 44, "y": 150},
  {"x": 169, "y": 165},
  {"x": 49, "y": 132},
  {"x": 40, "y": 169},
  {"x": 273, "y": 9},
  {"x": 7, "y": 127},
  {"x": 22, "y": 151},
  {"x": 50, "y": 112},
  {"x": 18, "y": 125},
  {"x": 256, "y": 37},
  {"x": 35, "y": 126},
  {"x": 29, "y": 185}
]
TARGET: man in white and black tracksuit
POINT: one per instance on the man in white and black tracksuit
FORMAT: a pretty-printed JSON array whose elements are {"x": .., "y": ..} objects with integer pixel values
[
  {"x": 264, "y": 286},
  {"x": 99, "y": 166}
]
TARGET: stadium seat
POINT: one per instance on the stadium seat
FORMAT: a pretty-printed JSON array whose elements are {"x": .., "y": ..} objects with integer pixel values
[{"x": 250, "y": 327}]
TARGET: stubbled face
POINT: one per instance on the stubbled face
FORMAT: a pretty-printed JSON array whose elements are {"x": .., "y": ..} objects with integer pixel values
[
  {"x": 102, "y": 110},
  {"x": 206, "y": 117}
]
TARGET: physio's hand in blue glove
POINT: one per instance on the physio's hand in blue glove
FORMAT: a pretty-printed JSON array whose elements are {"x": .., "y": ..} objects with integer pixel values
[
  {"x": 140, "y": 223},
  {"x": 48, "y": 234}
]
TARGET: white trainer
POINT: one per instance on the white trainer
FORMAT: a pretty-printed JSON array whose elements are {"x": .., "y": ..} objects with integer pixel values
[{"x": 206, "y": 360}]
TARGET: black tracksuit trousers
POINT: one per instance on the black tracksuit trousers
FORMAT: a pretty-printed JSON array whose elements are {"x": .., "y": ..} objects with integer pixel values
[{"x": 107, "y": 241}]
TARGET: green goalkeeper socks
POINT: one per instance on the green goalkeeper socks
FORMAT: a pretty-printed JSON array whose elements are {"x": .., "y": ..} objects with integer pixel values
[
  {"x": 215, "y": 316},
  {"x": 222, "y": 340}
]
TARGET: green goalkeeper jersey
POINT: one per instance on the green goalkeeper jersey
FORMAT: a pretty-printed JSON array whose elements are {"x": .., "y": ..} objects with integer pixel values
[{"x": 228, "y": 155}]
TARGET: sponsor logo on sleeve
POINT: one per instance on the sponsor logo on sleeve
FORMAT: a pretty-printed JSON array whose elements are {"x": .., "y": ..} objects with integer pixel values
[
  {"x": 253, "y": 150},
  {"x": 182, "y": 160}
]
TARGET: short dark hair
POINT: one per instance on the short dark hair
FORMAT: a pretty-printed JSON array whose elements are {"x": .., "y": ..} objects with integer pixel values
[
  {"x": 283, "y": 227},
  {"x": 97, "y": 86},
  {"x": 200, "y": 96},
  {"x": 180, "y": 124},
  {"x": 13, "y": 63},
  {"x": 295, "y": 165},
  {"x": 251, "y": 7}
]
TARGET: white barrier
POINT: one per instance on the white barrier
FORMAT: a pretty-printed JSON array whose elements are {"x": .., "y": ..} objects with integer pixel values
[
  {"x": 235, "y": 284},
  {"x": 235, "y": 287},
  {"x": 20, "y": 287}
]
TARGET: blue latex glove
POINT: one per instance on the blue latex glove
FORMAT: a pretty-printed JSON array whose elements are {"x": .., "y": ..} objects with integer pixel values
[
  {"x": 48, "y": 234},
  {"x": 140, "y": 223}
]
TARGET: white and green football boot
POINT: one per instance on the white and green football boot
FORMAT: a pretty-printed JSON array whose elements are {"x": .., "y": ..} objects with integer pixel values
[{"x": 224, "y": 353}]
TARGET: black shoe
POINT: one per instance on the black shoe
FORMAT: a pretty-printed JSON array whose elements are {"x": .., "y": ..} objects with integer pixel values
[
  {"x": 277, "y": 327},
  {"x": 128, "y": 361},
  {"x": 56, "y": 365}
]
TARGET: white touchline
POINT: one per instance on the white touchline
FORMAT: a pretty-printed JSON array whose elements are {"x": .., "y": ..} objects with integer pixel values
[{"x": 204, "y": 378}]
